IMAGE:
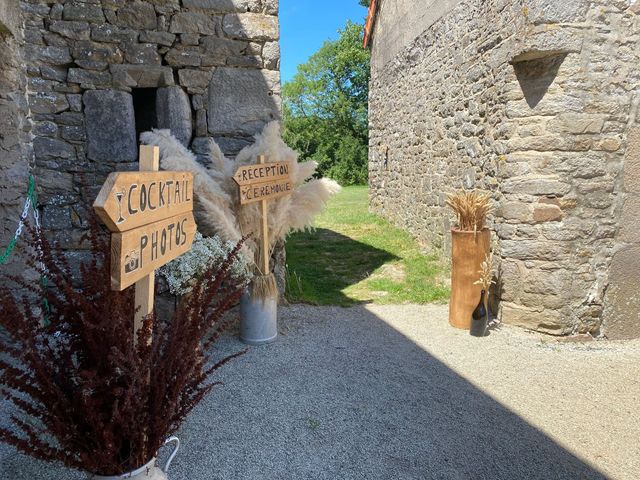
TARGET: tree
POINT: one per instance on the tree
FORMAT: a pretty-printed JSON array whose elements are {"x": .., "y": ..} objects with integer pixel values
[
  {"x": 325, "y": 109},
  {"x": 365, "y": 3}
]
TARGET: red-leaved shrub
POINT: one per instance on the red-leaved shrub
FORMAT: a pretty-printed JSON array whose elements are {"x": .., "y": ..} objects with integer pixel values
[{"x": 83, "y": 392}]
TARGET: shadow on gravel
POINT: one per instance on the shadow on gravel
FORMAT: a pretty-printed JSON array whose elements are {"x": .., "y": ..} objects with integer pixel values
[
  {"x": 343, "y": 396},
  {"x": 323, "y": 262}
]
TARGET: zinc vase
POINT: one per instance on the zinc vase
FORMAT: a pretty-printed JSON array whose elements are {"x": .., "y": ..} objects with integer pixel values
[
  {"x": 258, "y": 319},
  {"x": 150, "y": 471}
]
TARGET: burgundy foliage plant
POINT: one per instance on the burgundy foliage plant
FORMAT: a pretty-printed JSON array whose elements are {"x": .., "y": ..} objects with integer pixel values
[{"x": 80, "y": 390}]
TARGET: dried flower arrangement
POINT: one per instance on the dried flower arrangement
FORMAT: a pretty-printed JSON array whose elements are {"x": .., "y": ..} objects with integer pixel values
[
  {"x": 218, "y": 208},
  {"x": 83, "y": 392},
  {"x": 182, "y": 273},
  {"x": 471, "y": 208},
  {"x": 486, "y": 273}
]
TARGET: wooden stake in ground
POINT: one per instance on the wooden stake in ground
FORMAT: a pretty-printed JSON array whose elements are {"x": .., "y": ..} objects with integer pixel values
[
  {"x": 265, "y": 229},
  {"x": 145, "y": 287}
]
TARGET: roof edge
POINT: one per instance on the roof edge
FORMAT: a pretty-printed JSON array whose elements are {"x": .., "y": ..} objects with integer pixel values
[{"x": 371, "y": 22}]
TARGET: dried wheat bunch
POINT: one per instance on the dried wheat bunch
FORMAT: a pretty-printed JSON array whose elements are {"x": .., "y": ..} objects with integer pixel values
[
  {"x": 471, "y": 208},
  {"x": 486, "y": 273}
]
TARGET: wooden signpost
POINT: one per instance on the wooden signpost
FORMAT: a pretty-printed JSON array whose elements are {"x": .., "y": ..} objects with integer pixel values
[
  {"x": 263, "y": 181},
  {"x": 260, "y": 183},
  {"x": 150, "y": 214}
]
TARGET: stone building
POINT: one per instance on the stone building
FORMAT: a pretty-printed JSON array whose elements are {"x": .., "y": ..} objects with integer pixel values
[
  {"x": 80, "y": 79},
  {"x": 537, "y": 102}
]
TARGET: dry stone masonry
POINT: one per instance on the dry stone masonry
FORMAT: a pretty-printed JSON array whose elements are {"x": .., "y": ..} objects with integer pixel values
[
  {"x": 80, "y": 79},
  {"x": 536, "y": 101}
]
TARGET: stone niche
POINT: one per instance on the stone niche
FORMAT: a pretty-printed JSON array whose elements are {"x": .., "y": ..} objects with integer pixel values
[{"x": 114, "y": 119}]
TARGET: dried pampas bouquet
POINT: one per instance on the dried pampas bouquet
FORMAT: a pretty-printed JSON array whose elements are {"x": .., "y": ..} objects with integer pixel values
[{"x": 217, "y": 202}]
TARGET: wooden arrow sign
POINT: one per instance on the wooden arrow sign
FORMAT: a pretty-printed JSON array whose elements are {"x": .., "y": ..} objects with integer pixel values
[
  {"x": 137, "y": 253},
  {"x": 265, "y": 191},
  {"x": 131, "y": 199},
  {"x": 260, "y": 173}
]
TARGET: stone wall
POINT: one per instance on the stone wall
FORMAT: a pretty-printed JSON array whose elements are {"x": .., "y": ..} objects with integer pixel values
[
  {"x": 14, "y": 132},
  {"x": 535, "y": 101},
  {"x": 100, "y": 71}
]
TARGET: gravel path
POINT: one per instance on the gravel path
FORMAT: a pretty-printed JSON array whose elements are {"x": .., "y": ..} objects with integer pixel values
[{"x": 392, "y": 392}]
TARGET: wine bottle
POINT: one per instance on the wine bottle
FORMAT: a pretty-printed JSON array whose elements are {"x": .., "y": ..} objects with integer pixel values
[{"x": 479, "y": 317}]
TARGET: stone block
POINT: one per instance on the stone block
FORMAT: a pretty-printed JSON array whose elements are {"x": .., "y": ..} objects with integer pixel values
[
  {"x": 251, "y": 26},
  {"x": 73, "y": 30},
  {"x": 45, "y": 129},
  {"x": 46, "y": 148},
  {"x": 518, "y": 211},
  {"x": 75, "y": 102},
  {"x": 161, "y": 38},
  {"x": 536, "y": 185},
  {"x": 54, "y": 55},
  {"x": 242, "y": 100},
  {"x": 245, "y": 61},
  {"x": 48, "y": 102},
  {"x": 631, "y": 178},
  {"x": 541, "y": 320},
  {"x": 56, "y": 218},
  {"x": 173, "y": 111},
  {"x": 547, "y": 42},
  {"x": 543, "y": 11},
  {"x": 52, "y": 182},
  {"x": 113, "y": 34},
  {"x": 138, "y": 16},
  {"x": 184, "y": 57},
  {"x": 216, "y": 50},
  {"x": 630, "y": 219},
  {"x": 201, "y": 123},
  {"x": 95, "y": 56},
  {"x": 142, "y": 76},
  {"x": 534, "y": 249},
  {"x": 622, "y": 297},
  {"x": 196, "y": 81},
  {"x": 89, "y": 79},
  {"x": 190, "y": 38},
  {"x": 271, "y": 6},
  {"x": 111, "y": 126},
  {"x": 271, "y": 55},
  {"x": 142, "y": 54},
  {"x": 82, "y": 11},
  {"x": 546, "y": 213},
  {"x": 195, "y": 22},
  {"x": 578, "y": 123},
  {"x": 223, "y": 6},
  {"x": 73, "y": 134}
]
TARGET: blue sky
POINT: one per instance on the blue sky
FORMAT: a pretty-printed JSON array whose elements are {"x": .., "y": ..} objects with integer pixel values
[{"x": 306, "y": 24}]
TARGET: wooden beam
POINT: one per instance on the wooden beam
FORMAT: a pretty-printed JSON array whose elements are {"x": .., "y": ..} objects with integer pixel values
[{"x": 265, "y": 229}]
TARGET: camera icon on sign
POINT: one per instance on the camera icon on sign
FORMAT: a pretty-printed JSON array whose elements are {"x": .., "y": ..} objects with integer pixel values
[{"x": 131, "y": 261}]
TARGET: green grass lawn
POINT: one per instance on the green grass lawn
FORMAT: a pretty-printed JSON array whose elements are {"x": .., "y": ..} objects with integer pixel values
[{"x": 353, "y": 256}]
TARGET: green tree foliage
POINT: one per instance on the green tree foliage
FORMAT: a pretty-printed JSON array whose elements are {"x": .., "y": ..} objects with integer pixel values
[
  {"x": 365, "y": 3},
  {"x": 325, "y": 108}
]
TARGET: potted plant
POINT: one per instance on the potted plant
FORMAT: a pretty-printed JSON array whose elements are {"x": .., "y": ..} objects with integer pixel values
[
  {"x": 83, "y": 391},
  {"x": 219, "y": 212},
  {"x": 480, "y": 316},
  {"x": 470, "y": 243}
]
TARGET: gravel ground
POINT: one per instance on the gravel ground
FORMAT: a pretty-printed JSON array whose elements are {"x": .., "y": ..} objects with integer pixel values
[{"x": 392, "y": 392}]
